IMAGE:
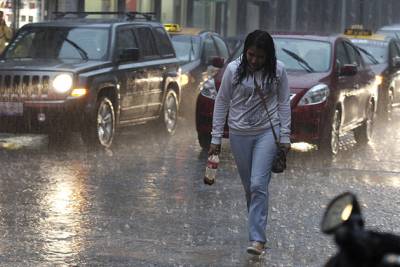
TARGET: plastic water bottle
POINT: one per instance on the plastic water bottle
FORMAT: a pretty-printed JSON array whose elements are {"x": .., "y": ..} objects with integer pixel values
[{"x": 211, "y": 169}]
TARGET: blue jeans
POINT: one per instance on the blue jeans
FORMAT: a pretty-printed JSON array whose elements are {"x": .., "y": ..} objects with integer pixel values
[{"x": 253, "y": 156}]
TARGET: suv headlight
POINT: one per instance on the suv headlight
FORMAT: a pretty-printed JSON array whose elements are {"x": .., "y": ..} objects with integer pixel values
[
  {"x": 317, "y": 94},
  {"x": 62, "y": 83},
  {"x": 208, "y": 89}
]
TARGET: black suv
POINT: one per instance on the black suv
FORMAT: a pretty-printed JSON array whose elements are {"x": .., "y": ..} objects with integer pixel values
[{"x": 90, "y": 75}]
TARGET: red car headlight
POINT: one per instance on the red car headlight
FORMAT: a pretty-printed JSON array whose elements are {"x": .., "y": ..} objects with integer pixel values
[{"x": 316, "y": 95}]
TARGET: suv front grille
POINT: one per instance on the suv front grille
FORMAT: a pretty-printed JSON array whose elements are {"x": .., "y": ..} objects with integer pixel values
[{"x": 24, "y": 87}]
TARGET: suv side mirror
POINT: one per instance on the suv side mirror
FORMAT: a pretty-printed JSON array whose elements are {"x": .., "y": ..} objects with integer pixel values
[
  {"x": 348, "y": 70},
  {"x": 129, "y": 54}
]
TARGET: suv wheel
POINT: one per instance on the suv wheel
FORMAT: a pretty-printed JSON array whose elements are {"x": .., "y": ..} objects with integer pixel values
[
  {"x": 101, "y": 128},
  {"x": 169, "y": 115},
  {"x": 363, "y": 133},
  {"x": 331, "y": 144},
  {"x": 204, "y": 140}
]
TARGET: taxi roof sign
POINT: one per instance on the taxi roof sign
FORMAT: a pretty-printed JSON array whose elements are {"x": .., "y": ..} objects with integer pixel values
[
  {"x": 172, "y": 27},
  {"x": 357, "y": 30}
]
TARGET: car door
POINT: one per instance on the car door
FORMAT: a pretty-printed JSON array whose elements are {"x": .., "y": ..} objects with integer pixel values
[
  {"x": 152, "y": 65},
  {"x": 365, "y": 82},
  {"x": 346, "y": 85},
  {"x": 134, "y": 77}
]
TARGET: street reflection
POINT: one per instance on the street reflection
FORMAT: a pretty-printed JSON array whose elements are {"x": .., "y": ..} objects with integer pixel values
[{"x": 64, "y": 203}]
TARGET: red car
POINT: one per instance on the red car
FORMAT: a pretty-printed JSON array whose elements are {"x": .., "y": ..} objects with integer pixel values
[{"x": 333, "y": 91}]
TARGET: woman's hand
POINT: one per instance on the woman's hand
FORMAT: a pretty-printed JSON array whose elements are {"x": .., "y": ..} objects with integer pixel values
[
  {"x": 214, "y": 149},
  {"x": 285, "y": 146}
]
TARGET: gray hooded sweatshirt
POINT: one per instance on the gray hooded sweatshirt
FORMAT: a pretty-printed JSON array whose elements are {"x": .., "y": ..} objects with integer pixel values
[{"x": 247, "y": 115}]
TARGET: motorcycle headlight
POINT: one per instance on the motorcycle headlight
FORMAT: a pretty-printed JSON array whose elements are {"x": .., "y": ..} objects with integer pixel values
[
  {"x": 317, "y": 94},
  {"x": 209, "y": 90},
  {"x": 62, "y": 83}
]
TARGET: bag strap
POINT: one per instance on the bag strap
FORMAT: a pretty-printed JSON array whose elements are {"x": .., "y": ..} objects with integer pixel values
[{"x": 258, "y": 90}]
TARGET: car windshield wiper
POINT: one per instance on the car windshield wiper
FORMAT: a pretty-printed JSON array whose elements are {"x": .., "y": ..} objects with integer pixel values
[
  {"x": 299, "y": 59},
  {"x": 82, "y": 52},
  {"x": 369, "y": 55}
]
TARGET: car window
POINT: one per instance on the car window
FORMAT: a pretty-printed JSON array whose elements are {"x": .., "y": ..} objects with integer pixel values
[
  {"x": 222, "y": 48},
  {"x": 210, "y": 50},
  {"x": 354, "y": 55},
  {"x": 125, "y": 39},
  {"x": 187, "y": 47},
  {"x": 147, "y": 43},
  {"x": 341, "y": 55},
  {"x": 164, "y": 45}
]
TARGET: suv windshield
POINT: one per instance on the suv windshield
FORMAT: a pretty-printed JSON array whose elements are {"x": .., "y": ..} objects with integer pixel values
[
  {"x": 187, "y": 47},
  {"x": 59, "y": 43}
]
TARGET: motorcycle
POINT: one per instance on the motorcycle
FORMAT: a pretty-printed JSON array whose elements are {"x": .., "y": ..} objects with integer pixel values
[{"x": 357, "y": 246}]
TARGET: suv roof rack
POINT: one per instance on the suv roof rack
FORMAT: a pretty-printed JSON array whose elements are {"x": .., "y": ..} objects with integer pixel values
[{"x": 132, "y": 15}]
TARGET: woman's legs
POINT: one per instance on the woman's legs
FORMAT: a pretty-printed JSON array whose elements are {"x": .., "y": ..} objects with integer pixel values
[{"x": 254, "y": 156}]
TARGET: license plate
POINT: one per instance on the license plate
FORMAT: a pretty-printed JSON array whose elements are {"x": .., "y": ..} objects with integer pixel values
[{"x": 11, "y": 108}]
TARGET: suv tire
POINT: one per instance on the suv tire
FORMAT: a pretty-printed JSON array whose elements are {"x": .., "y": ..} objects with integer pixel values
[
  {"x": 169, "y": 112},
  {"x": 100, "y": 130},
  {"x": 363, "y": 133}
]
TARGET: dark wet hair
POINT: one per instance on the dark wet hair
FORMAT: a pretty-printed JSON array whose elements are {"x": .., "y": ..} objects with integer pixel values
[{"x": 261, "y": 40}]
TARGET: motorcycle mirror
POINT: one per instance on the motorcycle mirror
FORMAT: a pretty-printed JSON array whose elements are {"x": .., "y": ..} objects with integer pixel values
[{"x": 339, "y": 211}]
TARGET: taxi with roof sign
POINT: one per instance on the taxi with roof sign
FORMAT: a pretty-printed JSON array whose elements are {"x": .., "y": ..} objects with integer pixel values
[
  {"x": 382, "y": 53},
  {"x": 201, "y": 54}
]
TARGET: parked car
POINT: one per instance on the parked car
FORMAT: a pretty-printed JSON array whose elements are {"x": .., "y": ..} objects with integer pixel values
[
  {"x": 333, "y": 91},
  {"x": 201, "y": 53},
  {"x": 392, "y": 30},
  {"x": 382, "y": 53},
  {"x": 89, "y": 75}
]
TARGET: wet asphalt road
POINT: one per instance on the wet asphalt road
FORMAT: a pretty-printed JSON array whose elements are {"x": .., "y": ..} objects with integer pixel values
[{"x": 144, "y": 203}]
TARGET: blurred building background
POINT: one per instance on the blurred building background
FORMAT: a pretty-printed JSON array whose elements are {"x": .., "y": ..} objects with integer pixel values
[{"x": 228, "y": 17}]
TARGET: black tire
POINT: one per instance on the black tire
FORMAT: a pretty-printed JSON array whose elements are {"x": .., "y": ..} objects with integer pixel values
[
  {"x": 204, "y": 140},
  {"x": 169, "y": 112},
  {"x": 100, "y": 128},
  {"x": 363, "y": 133},
  {"x": 330, "y": 145}
]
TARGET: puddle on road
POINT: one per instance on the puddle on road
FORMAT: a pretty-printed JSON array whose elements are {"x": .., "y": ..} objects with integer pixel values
[{"x": 15, "y": 142}]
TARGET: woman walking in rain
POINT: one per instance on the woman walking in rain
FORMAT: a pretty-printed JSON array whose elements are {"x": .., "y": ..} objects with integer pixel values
[{"x": 251, "y": 138}]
